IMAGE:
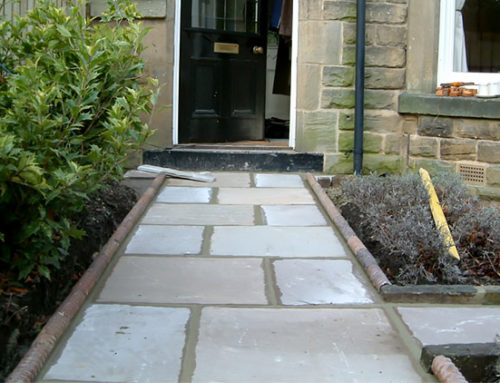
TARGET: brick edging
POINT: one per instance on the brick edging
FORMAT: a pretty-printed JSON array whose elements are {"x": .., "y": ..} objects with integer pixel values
[
  {"x": 372, "y": 269},
  {"x": 32, "y": 362},
  {"x": 446, "y": 371}
]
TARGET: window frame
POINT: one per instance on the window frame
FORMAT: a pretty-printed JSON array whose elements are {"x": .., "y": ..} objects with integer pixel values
[{"x": 445, "y": 73}]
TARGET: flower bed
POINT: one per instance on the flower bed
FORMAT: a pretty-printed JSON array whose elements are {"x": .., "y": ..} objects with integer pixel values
[
  {"x": 25, "y": 310},
  {"x": 390, "y": 216}
]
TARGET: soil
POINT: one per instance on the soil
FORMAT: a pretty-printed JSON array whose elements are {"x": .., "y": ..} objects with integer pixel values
[{"x": 24, "y": 311}]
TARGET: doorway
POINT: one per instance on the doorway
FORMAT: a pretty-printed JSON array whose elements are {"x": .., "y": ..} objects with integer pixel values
[{"x": 223, "y": 96}]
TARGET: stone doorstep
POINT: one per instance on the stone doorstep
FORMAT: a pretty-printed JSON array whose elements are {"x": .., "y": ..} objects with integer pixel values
[
  {"x": 473, "y": 360},
  {"x": 235, "y": 160},
  {"x": 470, "y": 294}
]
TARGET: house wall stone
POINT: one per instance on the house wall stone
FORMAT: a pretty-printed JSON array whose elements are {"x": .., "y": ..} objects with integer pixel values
[
  {"x": 385, "y": 78},
  {"x": 159, "y": 57},
  {"x": 445, "y": 143}
]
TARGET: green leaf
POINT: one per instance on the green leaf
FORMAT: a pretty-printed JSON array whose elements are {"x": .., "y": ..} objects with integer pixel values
[
  {"x": 76, "y": 233},
  {"x": 63, "y": 31},
  {"x": 44, "y": 271}
]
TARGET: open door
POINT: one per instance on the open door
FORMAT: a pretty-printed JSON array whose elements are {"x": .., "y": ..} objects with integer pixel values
[{"x": 222, "y": 70}]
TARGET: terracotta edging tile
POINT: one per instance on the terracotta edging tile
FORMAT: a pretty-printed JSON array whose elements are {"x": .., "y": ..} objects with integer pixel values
[
  {"x": 446, "y": 371},
  {"x": 32, "y": 362}
]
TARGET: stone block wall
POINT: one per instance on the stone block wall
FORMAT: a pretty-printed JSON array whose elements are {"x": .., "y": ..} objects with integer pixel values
[
  {"x": 445, "y": 143},
  {"x": 393, "y": 140},
  {"x": 325, "y": 113}
]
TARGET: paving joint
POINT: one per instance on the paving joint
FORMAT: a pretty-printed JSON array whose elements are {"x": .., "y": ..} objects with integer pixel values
[
  {"x": 189, "y": 353},
  {"x": 205, "y": 244},
  {"x": 272, "y": 290}
]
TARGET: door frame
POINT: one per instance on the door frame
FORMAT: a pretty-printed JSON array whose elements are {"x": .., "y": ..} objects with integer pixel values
[{"x": 176, "y": 79}]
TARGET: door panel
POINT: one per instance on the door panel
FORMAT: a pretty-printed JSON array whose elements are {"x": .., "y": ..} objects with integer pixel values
[
  {"x": 222, "y": 79},
  {"x": 243, "y": 101},
  {"x": 204, "y": 100}
]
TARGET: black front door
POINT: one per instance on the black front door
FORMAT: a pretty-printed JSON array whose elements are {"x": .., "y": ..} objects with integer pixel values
[{"x": 222, "y": 70}]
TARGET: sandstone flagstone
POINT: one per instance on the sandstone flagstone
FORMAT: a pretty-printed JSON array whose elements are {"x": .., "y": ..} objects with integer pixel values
[
  {"x": 167, "y": 240},
  {"x": 297, "y": 345},
  {"x": 273, "y": 241},
  {"x": 185, "y": 280},
  {"x": 278, "y": 180},
  {"x": 319, "y": 282},
  {"x": 199, "y": 214},
  {"x": 180, "y": 194},
  {"x": 264, "y": 196},
  {"x": 293, "y": 215},
  {"x": 222, "y": 179},
  {"x": 447, "y": 325},
  {"x": 119, "y": 343}
]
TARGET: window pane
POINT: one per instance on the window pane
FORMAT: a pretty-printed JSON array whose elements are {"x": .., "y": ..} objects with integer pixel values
[
  {"x": 226, "y": 15},
  {"x": 482, "y": 35}
]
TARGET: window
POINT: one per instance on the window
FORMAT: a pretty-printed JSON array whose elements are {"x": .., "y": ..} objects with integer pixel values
[
  {"x": 469, "y": 41},
  {"x": 226, "y": 15}
]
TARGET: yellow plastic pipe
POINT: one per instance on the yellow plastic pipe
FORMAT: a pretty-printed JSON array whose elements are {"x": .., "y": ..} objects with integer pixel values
[{"x": 438, "y": 215}]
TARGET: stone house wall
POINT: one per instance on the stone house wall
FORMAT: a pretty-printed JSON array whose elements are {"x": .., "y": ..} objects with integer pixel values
[
  {"x": 447, "y": 143},
  {"x": 399, "y": 60},
  {"x": 325, "y": 117}
]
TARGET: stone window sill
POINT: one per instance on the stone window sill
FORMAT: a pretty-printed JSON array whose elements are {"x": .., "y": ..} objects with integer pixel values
[{"x": 471, "y": 107}]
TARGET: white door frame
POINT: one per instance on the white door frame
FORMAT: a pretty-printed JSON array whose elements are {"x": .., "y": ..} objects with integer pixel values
[{"x": 293, "y": 90}]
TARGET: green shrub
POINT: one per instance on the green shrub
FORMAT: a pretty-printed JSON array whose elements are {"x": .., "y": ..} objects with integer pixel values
[
  {"x": 393, "y": 215},
  {"x": 70, "y": 112}
]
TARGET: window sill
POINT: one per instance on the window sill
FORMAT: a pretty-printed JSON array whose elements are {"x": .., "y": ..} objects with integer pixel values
[{"x": 471, "y": 107}]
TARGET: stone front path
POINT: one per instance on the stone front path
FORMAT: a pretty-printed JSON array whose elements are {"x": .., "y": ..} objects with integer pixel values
[{"x": 242, "y": 280}]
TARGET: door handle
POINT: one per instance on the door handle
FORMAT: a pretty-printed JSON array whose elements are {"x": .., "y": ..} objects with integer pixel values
[{"x": 258, "y": 50}]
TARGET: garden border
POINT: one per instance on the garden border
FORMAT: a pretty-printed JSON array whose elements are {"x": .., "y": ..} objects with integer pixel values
[
  {"x": 32, "y": 362},
  {"x": 481, "y": 295}
]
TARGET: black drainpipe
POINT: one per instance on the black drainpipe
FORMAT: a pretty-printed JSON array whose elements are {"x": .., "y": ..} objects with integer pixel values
[{"x": 359, "y": 100}]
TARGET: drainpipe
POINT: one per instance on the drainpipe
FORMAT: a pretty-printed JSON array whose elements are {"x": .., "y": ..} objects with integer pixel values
[{"x": 359, "y": 99}]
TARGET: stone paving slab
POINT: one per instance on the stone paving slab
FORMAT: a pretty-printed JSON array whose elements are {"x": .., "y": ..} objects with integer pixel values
[
  {"x": 447, "y": 325},
  {"x": 264, "y": 196},
  {"x": 199, "y": 214},
  {"x": 226, "y": 179},
  {"x": 293, "y": 215},
  {"x": 118, "y": 343},
  {"x": 166, "y": 240},
  {"x": 278, "y": 181},
  {"x": 276, "y": 241},
  {"x": 174, "y": 194},
  {"x": 185, "y": 280},
  {"x": 299, "y": 345},
  {"x": 319, "y": 282}
]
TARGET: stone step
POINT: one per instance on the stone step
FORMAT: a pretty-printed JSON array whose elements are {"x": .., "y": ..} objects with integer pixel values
[{"x": 235, "y": 160}]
